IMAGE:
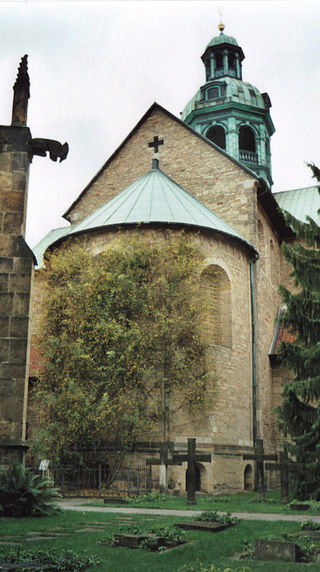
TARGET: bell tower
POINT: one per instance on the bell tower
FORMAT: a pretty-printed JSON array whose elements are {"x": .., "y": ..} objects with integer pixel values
[{"x": 230, "y": 112}]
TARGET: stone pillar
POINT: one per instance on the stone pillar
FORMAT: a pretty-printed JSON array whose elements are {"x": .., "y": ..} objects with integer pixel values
[{"x": 16, "y": 270}]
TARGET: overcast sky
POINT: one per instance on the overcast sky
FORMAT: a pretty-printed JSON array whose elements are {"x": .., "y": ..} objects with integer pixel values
[{"x": 96, "y": 67}]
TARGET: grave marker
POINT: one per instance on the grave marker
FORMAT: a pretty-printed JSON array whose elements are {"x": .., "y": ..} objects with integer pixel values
[
  {"x": 163, "y": 462},
  {"x": 260, "y": 457},
  {"x": 285, "y": 467},
  {"x": 192, "y": 457}
]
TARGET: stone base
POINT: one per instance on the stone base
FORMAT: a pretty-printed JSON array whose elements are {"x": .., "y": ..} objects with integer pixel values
[
  {"x": 275, "y": 550},
  {"x": 134, "y": 540},
  {"x": 201, "y": 525},
  {"x": 115, "y": 500}
]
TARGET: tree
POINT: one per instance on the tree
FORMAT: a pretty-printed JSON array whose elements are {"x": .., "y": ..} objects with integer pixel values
[
  {"x": 299, "y": 414},
  {"x": 121, "y": 344}
]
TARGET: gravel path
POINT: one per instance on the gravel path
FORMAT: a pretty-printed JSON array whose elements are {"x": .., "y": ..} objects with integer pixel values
[{"x": 81, "y": 505}]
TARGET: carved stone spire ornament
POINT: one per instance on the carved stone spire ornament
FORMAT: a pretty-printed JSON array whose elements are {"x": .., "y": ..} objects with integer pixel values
[{"x": 21, "y": 90}]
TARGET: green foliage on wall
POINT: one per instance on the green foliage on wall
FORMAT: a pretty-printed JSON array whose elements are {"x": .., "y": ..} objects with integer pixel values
[{"x": 121, "y": 344}]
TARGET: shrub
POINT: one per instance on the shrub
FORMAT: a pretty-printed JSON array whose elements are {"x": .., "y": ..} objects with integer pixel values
[
  {"x": 170, "y": 537},
  {"x": 310, "y": 525},
  {"x": 23, "y": 493},
  {"x": 62, "y": 561},
  {"x": 311, "y": 505},
  {"x": 213, "y": 516},
  {"x": 219, "y": 499},
  {"x": 211, "y": 568},
  {"x": 148, "y": 497}
]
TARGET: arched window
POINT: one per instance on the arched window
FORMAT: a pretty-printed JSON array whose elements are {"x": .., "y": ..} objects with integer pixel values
[
  {"x": 217, "y": 135},
  {"x": 247, "y": 140},
  {"x": 216, "y": 299}
]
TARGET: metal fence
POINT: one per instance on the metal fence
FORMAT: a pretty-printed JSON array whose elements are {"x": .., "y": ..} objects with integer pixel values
[{"x": 102, "y": 482}]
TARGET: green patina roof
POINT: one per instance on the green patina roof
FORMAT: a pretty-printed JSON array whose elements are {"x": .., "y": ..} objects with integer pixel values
[
  {"x": 222, "y": 39},
  {"x": 48, "y": 239},
  {"x": 154, "y": 198},
  {"x": 237, "y": 91},
  {"x": 300, "y": 203}
]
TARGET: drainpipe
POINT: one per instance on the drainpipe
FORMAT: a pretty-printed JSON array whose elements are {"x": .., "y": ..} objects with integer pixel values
[{"x": 253, "y": 334}]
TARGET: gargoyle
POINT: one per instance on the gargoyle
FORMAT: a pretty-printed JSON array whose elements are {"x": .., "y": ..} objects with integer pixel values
[{"x": 55, "y": 149}]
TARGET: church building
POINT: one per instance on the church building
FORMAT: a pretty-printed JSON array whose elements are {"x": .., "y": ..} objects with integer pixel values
[{"x": 209, "y": 173}]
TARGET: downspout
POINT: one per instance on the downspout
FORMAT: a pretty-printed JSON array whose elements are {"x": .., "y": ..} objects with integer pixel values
[{"x": 253, "y": 349}]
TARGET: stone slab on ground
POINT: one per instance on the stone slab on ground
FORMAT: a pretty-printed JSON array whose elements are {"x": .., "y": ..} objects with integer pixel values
[
  {"x": 202, "y": 525},
  {"x": 115, "y": 500},
  {"x": 311, "y": 534},
  {"x": 275, "y": 550},
  {"x": 134, "y": 540},
  {"x": 32, "y": 565},
  {"x": 299, "y": 506}
]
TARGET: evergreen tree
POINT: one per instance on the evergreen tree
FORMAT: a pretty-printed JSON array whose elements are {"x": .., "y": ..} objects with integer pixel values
[{"x": 299, "y": 414}]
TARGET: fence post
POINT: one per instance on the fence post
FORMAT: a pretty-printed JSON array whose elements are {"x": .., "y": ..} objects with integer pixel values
[
  {"x": 128, "y": 480},
  {"x": 62, "y": 482},
  {"x": 138, "y": 480},
  {"x": 149, "y": 485},
  {"x": 100, "y": 480}
]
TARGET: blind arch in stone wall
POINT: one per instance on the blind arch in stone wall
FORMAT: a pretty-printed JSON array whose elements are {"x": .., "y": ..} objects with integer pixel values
[{"x": 215, "y": 290}]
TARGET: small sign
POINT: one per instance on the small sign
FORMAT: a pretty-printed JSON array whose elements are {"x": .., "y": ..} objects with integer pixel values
[{"x": 44, "y": 465}]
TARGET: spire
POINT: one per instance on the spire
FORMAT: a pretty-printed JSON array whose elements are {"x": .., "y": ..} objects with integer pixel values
[
  {"x": 221, "y": 25},
  {"x": 21, "y": 95}
]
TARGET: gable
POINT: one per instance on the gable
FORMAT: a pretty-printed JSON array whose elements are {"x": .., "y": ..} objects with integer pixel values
[{"x": 195, "y": 163}]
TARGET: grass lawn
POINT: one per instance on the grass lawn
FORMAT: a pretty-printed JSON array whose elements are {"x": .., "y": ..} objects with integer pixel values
[
  {"x": 85, "y": 532},
  {"x": 240, "y": 502}
]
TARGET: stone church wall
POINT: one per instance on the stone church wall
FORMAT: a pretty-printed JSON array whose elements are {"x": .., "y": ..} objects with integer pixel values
[
  {"x": 226, "y": 426},
  {"x": 193, "y": 163}
]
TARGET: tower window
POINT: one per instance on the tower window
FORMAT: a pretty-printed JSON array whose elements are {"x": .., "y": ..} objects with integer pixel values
[
  {"x": 213, "y": 93},
  {"x": 219, "y": 61},
  {"x": 217, "y": 135},
  {"x": 247, "y": 140},
  {"x": 231, "y": 62}
]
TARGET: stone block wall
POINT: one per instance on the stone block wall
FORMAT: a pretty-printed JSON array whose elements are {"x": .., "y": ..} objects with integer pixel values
[
  {"x": 193, "y": 163},
  {"x": 16, "y": 271}
]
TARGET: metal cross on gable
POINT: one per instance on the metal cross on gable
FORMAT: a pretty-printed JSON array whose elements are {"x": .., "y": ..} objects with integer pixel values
[{"x": 156, "y": 143}]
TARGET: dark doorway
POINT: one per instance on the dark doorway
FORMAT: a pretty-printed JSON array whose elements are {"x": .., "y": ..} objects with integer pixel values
[
  {"x": 198, "y": 479},
  {"x": 248, "y": 478}
]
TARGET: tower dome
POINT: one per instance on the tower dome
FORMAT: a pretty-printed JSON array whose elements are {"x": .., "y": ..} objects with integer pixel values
[{"x": 230, "y": 112}]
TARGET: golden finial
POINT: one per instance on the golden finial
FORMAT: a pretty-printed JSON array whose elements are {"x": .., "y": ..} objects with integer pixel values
[{"x": 221, "y": 25}]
